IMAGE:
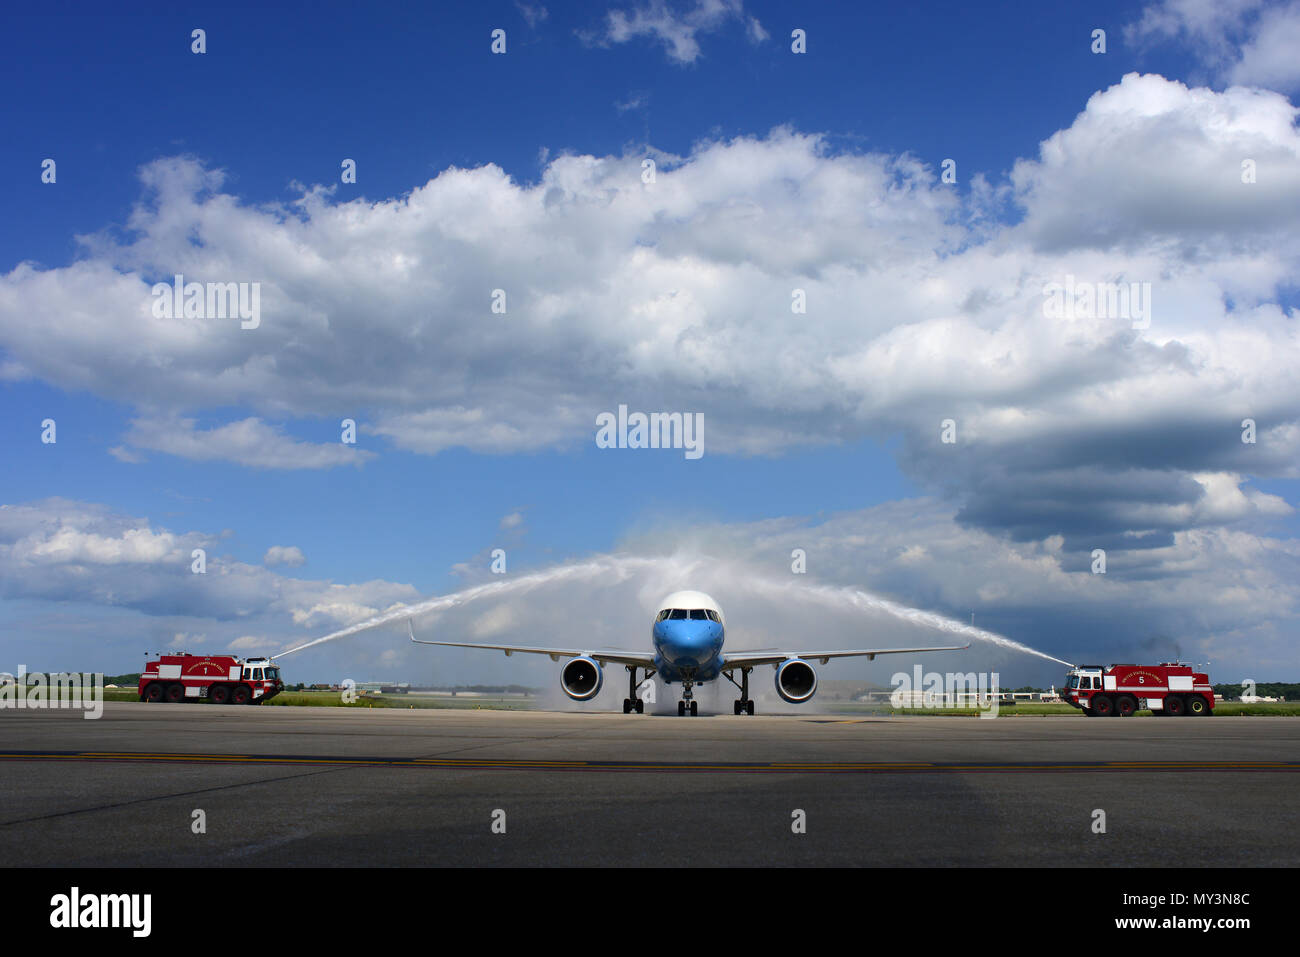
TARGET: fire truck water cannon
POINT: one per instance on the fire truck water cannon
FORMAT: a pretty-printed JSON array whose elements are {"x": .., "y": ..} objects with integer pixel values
[
  {"x": 1170, "y": 688},
  {"x": 222, "y": 679}
]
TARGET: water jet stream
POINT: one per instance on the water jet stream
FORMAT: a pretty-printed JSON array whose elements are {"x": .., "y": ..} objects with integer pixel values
[{"x": 621, "y": 567}]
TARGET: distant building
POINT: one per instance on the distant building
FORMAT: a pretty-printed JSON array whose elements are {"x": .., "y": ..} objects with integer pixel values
[{"x": 952, "y": 699}]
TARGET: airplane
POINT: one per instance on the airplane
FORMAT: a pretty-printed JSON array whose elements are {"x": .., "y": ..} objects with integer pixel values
[{"x": 687, "y": 636}]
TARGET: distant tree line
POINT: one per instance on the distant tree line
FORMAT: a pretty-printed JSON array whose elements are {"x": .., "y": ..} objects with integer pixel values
[{"x": 1290, "y": 690}]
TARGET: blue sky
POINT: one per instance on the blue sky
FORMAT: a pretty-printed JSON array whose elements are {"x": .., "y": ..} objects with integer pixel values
[
  {"x": 817, "y": 171},
  {"x": 284, "y": 89}
]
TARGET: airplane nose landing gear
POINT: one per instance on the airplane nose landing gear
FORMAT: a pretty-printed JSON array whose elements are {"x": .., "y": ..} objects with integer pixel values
[{"x": 688, "y": 702}]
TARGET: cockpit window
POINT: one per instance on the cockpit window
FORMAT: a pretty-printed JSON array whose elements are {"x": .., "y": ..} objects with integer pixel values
[
  {"x": 698, "y": 614},
  {"x": 713, "y": 615},
  {"x": 678, "y": 614},
  {"x": 664, "y": 614}
]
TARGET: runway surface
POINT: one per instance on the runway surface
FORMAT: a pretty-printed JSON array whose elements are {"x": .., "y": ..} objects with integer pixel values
[{"x": 326, "y": 786}]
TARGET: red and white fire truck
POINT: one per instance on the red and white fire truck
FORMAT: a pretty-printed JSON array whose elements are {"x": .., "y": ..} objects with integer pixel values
[
  {"x": 1169, "y": 688},
  {"x": 222, "y": 679}
]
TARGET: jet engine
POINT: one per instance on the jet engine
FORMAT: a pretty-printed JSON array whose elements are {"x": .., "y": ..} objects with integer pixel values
[
  {"x": 581, "y": 678},
  {"x": 796, "y": 681}
]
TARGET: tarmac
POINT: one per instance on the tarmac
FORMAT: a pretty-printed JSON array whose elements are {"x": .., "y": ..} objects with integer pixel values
[{"x": 345, "y": 786}]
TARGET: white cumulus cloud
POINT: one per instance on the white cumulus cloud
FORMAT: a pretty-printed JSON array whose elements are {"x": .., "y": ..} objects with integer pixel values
[{"x": 290, "y": 556}]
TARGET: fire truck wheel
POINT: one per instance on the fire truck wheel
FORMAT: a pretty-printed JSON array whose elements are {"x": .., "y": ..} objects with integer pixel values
[
  {"x": 1125, "y": 706},
  {"x": 1103, "y": 706},
  {"x": 1196, "y": 705},
  {"x": 1174, "y": 705},
  {"x": 153, "y": 692},
  {"x": 220, "y": 694},
  {"x": 240, "y": 695},
  {"x": 174, "y": 693}
]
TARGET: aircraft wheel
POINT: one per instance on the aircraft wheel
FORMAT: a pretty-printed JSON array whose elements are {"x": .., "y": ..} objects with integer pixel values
[
  {"x": 627, "y": 705},
  {"x": 735, "y": 708},
  {"x": 681, "y": 708},
  {"x": 749, "y": 707},
  {"x": 640, "y": 706},
  {"x": 695, "y": 708}
]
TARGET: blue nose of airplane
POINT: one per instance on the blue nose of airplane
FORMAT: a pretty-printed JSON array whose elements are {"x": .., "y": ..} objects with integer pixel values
[{"x": 688, "y": 643}]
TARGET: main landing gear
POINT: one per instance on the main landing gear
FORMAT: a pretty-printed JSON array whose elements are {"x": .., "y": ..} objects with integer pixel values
[
  {"x": 632, "y": 702},
  {"x": 746, "y": 704}
]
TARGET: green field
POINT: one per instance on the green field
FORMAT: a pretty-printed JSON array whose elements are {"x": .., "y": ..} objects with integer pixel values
[
  {"x": 1224, "y": 709},
  {"x": 461, "y": 702},
  {"x": 333, "y": 699}
]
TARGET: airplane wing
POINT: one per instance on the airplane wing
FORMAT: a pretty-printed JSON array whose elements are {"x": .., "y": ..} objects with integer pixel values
[
  {"x": 617, "y": 656},
  {"x": 751, "y": 659}
]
